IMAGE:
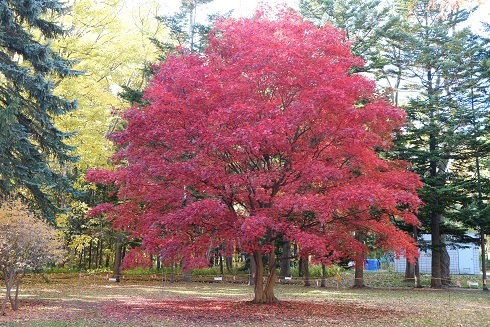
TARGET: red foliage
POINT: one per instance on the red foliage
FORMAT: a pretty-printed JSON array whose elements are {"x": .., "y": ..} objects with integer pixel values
[
  {"x": 265, "y": 135},
  {"x": 136, "y": 258},
  {"x": 191, "y": 312}
]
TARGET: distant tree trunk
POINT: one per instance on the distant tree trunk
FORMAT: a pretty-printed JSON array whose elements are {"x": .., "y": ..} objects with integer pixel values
[
  {"x": 15, "y": 301},
  {"x": 186, "y": 273},
  {"x": 418, "y": 283},
  {"x": 221, "y": 268},
  {"x": 253, "y": 269},
  {"x": 264, "y": 294},
  {"x": 483, "y": 259},
  {"x": 101, "y": 252},
  {"x": 445, "y": 264},
  {"x": 90, "y": 255},
  {"x": 436, "y": 273},
  {"x": 117, "y": 261},
  {"x": 409, "y": 271},
  {"x": 229, "y": 264},
  {"x": 416, "y": 267},
  {"x": 172, "y": 272},
  {"x": 8, "y": 278},
  {"x": 305, "y": 271},
  {"x": 286, "y": 260},
  {"x": 324, "y": 272},
  {"x": 159, "y": 263}
]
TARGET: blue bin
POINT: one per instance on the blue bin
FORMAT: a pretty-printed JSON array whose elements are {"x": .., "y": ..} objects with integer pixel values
[{"x": 372, "y": 264}]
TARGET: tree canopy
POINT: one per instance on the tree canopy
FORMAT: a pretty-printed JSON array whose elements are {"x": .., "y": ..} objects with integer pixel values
[
  {"x": 265, "y": 135},
  {"x": 29, "y": 68}
]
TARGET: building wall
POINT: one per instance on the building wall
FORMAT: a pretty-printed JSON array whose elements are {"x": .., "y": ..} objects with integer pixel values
[{"x": 463, "y": 260}]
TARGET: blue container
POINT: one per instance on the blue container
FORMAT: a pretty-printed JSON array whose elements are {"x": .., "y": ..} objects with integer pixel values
[{"x": 372, "y": 264}]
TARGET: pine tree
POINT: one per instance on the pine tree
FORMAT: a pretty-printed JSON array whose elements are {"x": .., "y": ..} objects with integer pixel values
[
  {"x": 364, "y": 22},
  {"x": 428, "y": 49},
  {"x": 30, "y": 143}
]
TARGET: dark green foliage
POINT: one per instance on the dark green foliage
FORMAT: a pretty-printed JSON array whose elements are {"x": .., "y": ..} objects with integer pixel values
[
  {"x": 29, "y": 141},
  {"x": 365, "y": 22}
]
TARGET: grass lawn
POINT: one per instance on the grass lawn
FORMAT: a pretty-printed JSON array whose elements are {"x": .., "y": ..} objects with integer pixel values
[{"x": 86, "y": 302}]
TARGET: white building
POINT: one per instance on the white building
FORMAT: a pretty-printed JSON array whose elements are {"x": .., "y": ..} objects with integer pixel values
[{"x": 464, "y": 259}]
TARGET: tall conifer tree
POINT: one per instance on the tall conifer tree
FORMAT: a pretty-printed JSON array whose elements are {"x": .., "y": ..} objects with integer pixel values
[
  {"x": 429, "y": 49},
  {"x": 29, "y": 69}
]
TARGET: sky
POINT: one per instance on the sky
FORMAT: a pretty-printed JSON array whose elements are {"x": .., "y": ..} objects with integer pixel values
[{"x": 247, "y": 8}]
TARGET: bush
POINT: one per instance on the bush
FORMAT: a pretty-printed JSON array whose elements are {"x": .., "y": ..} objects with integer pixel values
[{"x": 316, "y": 271}]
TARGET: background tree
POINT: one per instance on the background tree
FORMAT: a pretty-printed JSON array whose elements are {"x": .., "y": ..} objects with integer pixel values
[
  {"x": 31, "y": 144},
  {"x": 428, "y": 53},
  {"x": 365, "y": 23},
  {"x": 26, "y": 243},
  {"x": 236, "y": 144},
  {"x": 469, "y": 94},
  {"x": 110, "y": 41}
]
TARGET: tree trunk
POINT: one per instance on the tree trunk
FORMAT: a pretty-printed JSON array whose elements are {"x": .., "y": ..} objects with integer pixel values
[
  {"x": 117, "y": 261},
  {"x": 221, "y": 268},
  {"x": 359, "y": 271},
  {"x": 9, "y": 283},
  {"x": 324, "y": 272},
  {"x": 90, "y": 255},
  {"x": 436, "y": 274},
  {"x": 253, "y": 269},
  {"x": 416, "y": 267},
  {"x": 445, "y": 263},
  {"x": 409, "y": 271},
  {"x": 483, "y": 259},
  {"x": 286, "y": 260},
  {"x": 264, "y": 293},
  {"x": 186, "y": 273},
  {"x": 418, "y": 283},
  {"x": 159, "y": 263},
  {"x": 305, "y": 271},
  {"x": 15, "y": 300},
  {"x": 172, "y": 272},
  {"x": 229, "y": 264}
]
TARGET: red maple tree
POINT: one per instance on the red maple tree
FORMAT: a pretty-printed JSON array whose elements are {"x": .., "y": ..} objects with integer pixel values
[{"x": 266, "y": 135}]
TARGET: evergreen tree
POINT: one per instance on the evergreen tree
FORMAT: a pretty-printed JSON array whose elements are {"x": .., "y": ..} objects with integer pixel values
[
  {"x": 29, "y": 142},
  {"x": 470, "y": 95},
  {"x": 365, "y": 23},
  {"x": 429, "y": 51}
]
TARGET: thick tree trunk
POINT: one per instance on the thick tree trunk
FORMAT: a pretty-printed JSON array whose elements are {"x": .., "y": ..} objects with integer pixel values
[
  {"x": 359, "y": 271},
  {"x": 286, "y": 260},
  {"x": 436, "y": 274},
  {"x": 445, "y": 264},
  {"x": 264, "y": 293}
]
